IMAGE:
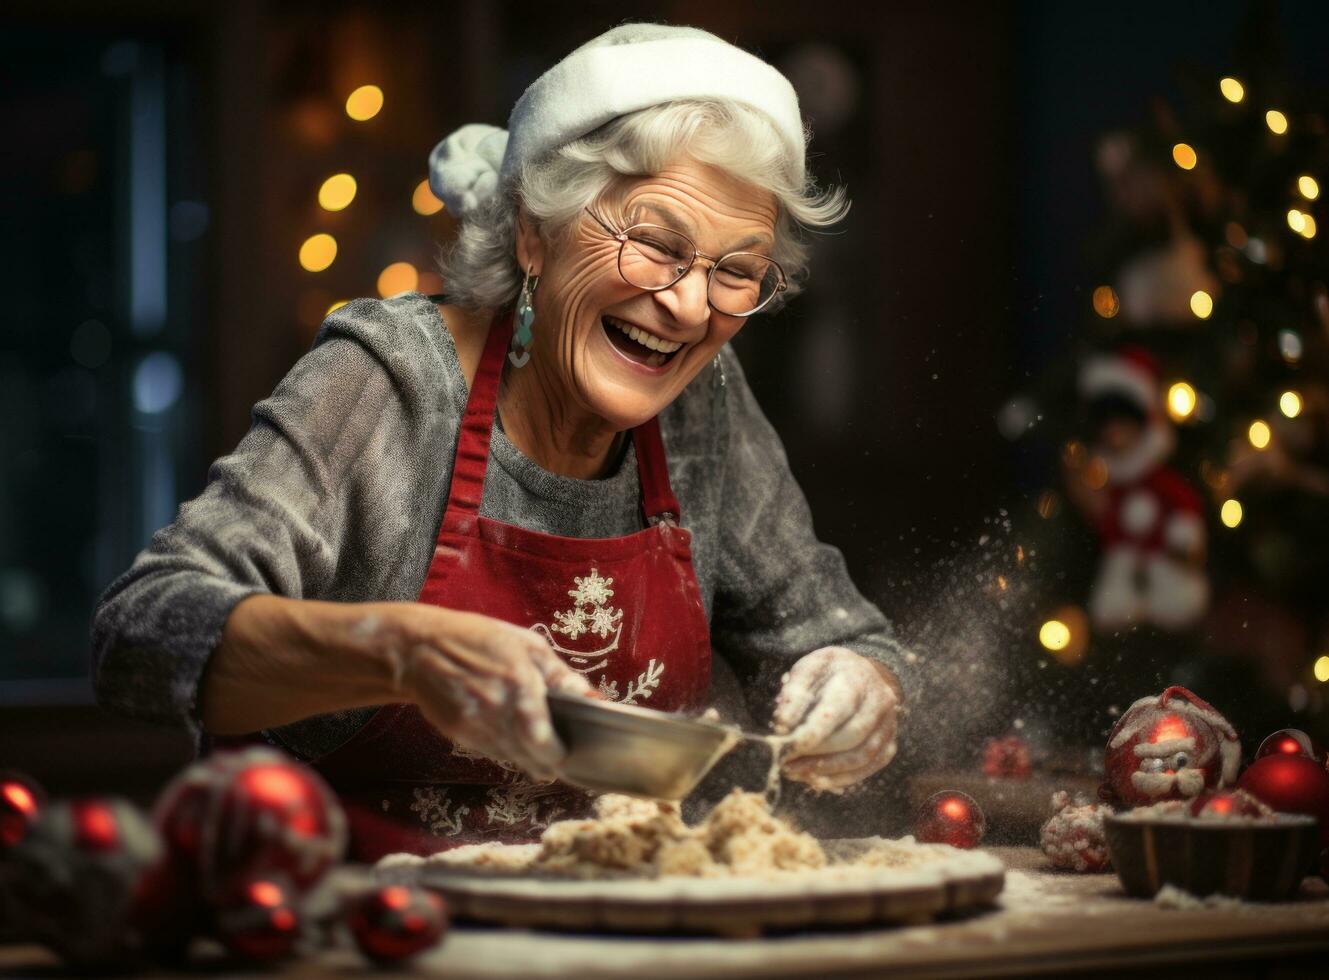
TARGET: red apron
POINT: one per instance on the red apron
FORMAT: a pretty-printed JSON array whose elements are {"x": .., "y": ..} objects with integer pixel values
[{"x": 625, "y": 612}]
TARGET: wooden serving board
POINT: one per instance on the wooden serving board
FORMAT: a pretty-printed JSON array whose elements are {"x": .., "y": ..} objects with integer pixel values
[{"x": 948, "y": 881}]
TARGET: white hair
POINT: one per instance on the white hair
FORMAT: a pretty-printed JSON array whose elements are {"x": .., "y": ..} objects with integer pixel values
[{"x": 480, "y": 269}]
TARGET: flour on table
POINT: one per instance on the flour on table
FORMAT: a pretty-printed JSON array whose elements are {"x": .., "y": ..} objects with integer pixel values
[{"x": 1172, "y": 897}]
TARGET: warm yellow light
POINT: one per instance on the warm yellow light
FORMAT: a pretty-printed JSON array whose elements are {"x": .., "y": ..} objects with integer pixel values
[
  {"x": 1106, "y": 303},
  {"x": 1276, "y": 121},
  {"x": 1308, "y": 226},
  {"x": 1309, "y": 187},
  {"x": 400, "y": 277},
  {"x": 337, "y": 306},
  {"x": 1290, "y": 404},
  {"x": 1183, "y": 154},
  {"x": 424, "y": 201},
  {"x": 1232, "y": 89},
  {"x": 1296, "y": 220},
  {"x": 1259, "y": 434},
  {"x": 1054, "y": 635},
  {"x": 1230, "y": 513},
  {"x": 318, "y": 252},
  {"x": 364, "y": 103},
  {"x": 1180, "y": 401},
  {"x": 1048, "y": 504},
  {"x": 337, "y": 192},
  {"x": 1202, "y": 304},
  {"x": 1322, "y": 670}
]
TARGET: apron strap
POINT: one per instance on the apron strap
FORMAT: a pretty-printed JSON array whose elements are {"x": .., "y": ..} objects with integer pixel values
[
  {"x": 657, "y": 496},
  {"x": 468, "y": 468}
]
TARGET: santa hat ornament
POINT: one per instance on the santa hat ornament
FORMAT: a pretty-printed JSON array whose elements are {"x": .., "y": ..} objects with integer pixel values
[
  {"x": 1130, "y": 378},
  {"x": 1131, "y": 372},
  {"x": 1151, "y": 524}
]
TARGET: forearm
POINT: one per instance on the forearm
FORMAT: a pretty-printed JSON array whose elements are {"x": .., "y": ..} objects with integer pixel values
[{"x": 280, "y": 660}]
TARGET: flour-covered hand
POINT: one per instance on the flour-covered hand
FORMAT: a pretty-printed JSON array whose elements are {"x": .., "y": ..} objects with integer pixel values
[
  {"x": 482, "y": 683},
  {"x": 840, "y": 714}
]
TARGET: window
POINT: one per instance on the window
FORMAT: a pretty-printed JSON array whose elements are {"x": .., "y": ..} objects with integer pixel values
[{"x": 102, "y": 249}]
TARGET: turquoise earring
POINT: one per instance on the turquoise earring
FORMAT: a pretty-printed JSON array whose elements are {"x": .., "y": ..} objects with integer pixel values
[{"x": 524, "y": 316}]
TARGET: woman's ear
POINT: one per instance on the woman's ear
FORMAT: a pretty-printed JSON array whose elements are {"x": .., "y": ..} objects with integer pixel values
[{"x": 530, "y": 246}]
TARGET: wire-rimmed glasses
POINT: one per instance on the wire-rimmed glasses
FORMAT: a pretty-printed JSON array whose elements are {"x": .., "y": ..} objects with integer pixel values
[{"x": 654, "y": 257}]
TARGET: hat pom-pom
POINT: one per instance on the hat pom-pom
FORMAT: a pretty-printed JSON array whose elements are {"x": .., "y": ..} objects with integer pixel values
[{"x": 464, "y": 167}]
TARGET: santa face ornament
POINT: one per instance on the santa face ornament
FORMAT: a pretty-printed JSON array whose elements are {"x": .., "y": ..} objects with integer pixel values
[
  {"x": 1149, "y": 519},
  {"x": 1169, "y": 747}
]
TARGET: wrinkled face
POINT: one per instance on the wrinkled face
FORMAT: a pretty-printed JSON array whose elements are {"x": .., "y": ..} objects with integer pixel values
[{"x": 580, "y": 355}]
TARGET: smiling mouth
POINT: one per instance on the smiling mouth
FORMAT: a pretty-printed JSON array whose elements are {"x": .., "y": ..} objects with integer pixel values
[{"x": 637, "y": 344}]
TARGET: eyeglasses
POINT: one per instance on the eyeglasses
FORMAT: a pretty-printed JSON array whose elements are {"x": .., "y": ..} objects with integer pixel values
[{"x": 654, "y": 257}]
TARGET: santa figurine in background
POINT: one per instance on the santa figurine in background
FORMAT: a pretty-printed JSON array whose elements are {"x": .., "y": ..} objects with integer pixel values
[{"x": 1149, "y": 519}]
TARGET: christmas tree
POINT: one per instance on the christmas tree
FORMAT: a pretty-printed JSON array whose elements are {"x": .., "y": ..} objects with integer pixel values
[{"x": 1207, "y": 332}]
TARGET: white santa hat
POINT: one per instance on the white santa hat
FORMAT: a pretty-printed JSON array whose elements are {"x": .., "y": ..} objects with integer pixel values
[
  {"x": 631, "y": 67},
  {"x": 1131, "y": 372}
]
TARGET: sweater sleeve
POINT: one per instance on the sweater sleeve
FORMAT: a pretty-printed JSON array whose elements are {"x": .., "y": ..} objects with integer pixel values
[
  {"x": 780, "y": 592},
  {"x": 271, "y": 519}
]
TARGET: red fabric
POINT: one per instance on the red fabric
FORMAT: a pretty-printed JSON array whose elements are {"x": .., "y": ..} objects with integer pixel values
[
  {"x": 1173, "y": 496},
  {"x": 1141, "y": 361},
  {"x": 632, "y": 602}
]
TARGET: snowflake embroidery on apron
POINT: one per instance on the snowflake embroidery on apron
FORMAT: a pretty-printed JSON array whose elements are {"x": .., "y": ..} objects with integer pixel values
[
  {"x": 646, "y": 683},
  {"x": 520, "y": 804},
  {"x": 590, "y": 613},
  {"x": 436, "y": 811}
]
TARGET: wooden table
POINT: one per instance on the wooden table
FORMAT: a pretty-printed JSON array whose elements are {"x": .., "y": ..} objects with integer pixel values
[{"x": 1047, "y": 923}]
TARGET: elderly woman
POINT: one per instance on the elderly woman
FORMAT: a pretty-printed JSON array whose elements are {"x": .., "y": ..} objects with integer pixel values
[{"x": 557, "y": 479}]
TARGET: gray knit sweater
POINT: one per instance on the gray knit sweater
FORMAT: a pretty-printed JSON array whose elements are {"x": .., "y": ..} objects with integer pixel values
[{"x": 338, "y": 489}]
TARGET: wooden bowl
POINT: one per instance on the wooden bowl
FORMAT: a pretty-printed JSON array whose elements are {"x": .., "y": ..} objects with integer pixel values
[{"x": 1261, "y": 861}]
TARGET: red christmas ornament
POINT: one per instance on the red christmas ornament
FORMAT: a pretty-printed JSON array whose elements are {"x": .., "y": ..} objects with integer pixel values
[
  {"x": 1169, "y": 747},
  {"x": 396, "y": 922},
  {"x": 21, "y": 800},
  {"x": 1219, "y": 804},
  {"x": 1291, "y": 784},
  {"x": 1007, "y": 757},
  {"x": 1287, "y": 741},
  {"x": 243, "y": 814},
  {"x": 259, "y": 920},
  {"x": 950, "y": 817},
  {"x": 72, "y": 882}
]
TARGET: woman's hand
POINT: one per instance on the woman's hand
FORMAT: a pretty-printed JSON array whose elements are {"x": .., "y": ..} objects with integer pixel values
[
  {"x": 840, "y": 713},
  {"x": 481, "y": 682}
]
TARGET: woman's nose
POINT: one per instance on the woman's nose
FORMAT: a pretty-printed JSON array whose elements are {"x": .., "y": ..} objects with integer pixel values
[{"x": 686, "y": 299}]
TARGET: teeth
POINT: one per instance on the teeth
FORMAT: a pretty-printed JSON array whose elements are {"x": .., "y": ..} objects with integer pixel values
[{"x": 642, "y": 337}]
